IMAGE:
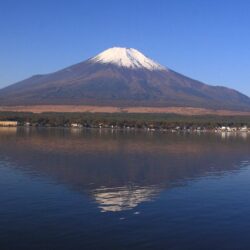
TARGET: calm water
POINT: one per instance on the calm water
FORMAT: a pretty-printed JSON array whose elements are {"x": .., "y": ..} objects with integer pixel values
[{"x": 78, "y": 189}]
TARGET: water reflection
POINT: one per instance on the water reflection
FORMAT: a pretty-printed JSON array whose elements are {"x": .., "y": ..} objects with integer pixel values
[
  {"x": 123, "y": 198},
  {"x": 120, "y": 170},
  {"x": 225, "y": 135},
  {"x": 8, "y": 130}
]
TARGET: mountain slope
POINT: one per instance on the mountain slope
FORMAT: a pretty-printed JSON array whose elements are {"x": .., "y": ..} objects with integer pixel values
[{"x": 121, "y": 77}]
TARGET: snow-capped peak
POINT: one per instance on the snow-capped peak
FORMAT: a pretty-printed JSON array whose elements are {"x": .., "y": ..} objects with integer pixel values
[{"x": 127, "y": 57}]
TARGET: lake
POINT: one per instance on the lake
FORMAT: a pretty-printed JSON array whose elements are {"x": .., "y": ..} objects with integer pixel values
[{"x": 104, "y": 189}]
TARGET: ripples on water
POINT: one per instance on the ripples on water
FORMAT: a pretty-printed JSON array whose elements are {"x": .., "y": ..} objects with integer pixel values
[{"x": 91, "y": 189}]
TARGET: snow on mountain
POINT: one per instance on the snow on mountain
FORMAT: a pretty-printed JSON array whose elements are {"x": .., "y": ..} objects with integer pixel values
[{"x": 128, "y": 58}]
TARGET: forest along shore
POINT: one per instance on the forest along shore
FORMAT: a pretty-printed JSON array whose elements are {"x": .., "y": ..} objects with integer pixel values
[{"x": 146, "y": 121}]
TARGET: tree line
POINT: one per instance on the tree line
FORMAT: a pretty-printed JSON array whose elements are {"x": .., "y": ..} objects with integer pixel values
[{"x": 139, "y": 120}]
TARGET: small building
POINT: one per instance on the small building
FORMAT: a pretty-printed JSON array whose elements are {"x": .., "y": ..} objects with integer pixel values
[
  {"x": 8, "y": 123},
  {"x": 223, "y": 128},
  {"x": 244, "y": 129},
  {"x": 27, "y": 124},
  {"x": 76, "y": 125}
]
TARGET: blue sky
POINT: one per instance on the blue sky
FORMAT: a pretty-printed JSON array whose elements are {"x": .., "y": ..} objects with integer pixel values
[{"x": 208, "y": 40}]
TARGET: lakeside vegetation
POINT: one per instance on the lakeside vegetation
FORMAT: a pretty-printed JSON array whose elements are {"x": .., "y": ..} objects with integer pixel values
[{"x": 121, "y": 120}]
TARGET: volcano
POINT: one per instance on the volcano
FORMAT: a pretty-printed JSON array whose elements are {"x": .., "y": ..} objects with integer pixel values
[{"x": 121, "y": 77}]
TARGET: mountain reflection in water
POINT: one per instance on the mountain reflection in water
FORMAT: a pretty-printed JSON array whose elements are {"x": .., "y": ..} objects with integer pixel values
[
  {"x": 123, "y": 198},
  {"x": 120, "y": 170}
]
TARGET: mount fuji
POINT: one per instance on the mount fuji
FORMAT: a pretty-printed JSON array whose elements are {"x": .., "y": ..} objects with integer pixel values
[{"x": 121, "y": 77}]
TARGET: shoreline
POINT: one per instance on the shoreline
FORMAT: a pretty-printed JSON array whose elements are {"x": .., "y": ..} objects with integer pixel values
[{"x": 134, "y": 129}]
